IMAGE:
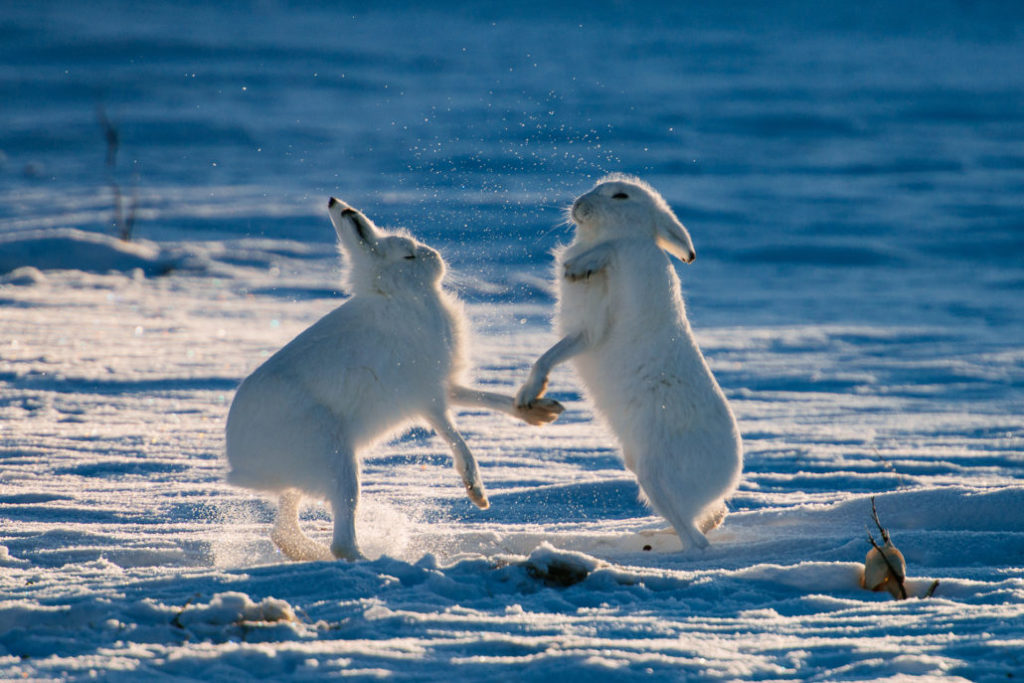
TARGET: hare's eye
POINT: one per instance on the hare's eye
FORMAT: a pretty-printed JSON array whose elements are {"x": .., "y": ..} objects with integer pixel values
[
  {"x": 620, "y": 195},
  {"x": 410, "y": 257}
]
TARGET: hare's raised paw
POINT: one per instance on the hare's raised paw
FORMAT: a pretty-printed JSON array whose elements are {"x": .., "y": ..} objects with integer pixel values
[
  {"x": 576, "y": 272},
  {"x": 541, "y": 411},
  {"x": 477, "y": 495},
  {"x": 530, "y": 392},
  {"x": 592, "y": 261}
]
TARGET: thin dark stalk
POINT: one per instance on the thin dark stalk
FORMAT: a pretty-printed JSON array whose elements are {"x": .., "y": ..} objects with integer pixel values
[
  {"x": 888, "y": 541},
  {"x": 124, "y": 224}
]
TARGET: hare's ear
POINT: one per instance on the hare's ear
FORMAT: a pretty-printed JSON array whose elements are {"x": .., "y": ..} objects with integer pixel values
[
  {"x": 356, "y": 231},
  {"x": 672, "y": 236}
]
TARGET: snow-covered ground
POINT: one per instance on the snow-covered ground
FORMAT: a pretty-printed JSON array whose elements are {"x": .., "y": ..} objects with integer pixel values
[
  {"x": 129, "y": 556},
  {"x": 852, "y": 178}
]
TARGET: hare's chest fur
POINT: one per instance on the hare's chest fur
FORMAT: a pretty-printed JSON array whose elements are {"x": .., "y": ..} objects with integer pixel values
[
  {"x": 631, "y": 304},
  {"x": 643, "y": 368}
]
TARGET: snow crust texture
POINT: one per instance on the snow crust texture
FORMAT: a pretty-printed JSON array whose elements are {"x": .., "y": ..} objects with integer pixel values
[{"x": 126, "y": 553}]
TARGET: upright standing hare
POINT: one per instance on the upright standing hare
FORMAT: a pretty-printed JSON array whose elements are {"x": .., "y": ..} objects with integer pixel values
[
  {"x": 622, "y": 321},
  {"x": 390, "y": 356}
]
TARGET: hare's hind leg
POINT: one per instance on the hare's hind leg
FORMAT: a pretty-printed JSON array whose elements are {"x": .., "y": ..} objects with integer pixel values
[
  {"x": 287, "y": 535},
  {"x": 465, "y": 463},
  {"x": 344, "y": 499},
  {"x": 686, "y": 529},
  {"x": 670, "y": 504},
  {"x": 689, "y": 531}
]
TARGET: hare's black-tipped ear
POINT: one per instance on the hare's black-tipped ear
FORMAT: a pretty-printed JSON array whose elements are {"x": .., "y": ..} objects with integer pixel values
[
  {"x": 354, "y": 229},
  {"x": 673, "y": 237}
]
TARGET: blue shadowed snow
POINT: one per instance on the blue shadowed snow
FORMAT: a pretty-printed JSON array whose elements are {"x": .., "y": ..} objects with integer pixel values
[{"x": 877, "y": 151}]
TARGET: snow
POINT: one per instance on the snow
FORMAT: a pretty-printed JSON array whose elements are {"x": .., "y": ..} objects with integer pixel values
[
  {"x": 126, "y": 553},
  {"x": 75, "y": 249},
  {"x": 852, "y": 183}
]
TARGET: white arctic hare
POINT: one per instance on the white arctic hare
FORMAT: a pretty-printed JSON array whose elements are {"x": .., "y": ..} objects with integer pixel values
[
  {"x": 622, "y": 321},
  {"x": 388, "y": 357}
]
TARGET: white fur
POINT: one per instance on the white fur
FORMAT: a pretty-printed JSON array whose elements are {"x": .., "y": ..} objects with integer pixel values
[
  {"x": 389, "y": 357},
  {"x": 623, "y": 324}
]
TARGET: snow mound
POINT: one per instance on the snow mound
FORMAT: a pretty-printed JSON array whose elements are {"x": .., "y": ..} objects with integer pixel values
[
  {"x": 25, "y": 275},
  {"x": 8, "y": 560},
  {"x": 72, "y": 249},
  {"x": 233, "y": 608},
  {"x": 559, "y": 568},
  {"x": 235, "y": 616}
]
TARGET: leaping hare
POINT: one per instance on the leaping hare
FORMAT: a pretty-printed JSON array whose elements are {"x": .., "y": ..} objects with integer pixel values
[
  {"x": 390, "y": 356},
  {"x": 623, "y": 323}
]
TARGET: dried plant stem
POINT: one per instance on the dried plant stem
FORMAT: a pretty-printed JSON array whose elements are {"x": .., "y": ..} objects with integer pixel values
[
  {"x": 887, "y": 540},
  {"x": 124, "y": 223}
]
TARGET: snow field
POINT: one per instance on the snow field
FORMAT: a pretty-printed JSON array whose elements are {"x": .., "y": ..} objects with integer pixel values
[{"x": 128, "y": 556}]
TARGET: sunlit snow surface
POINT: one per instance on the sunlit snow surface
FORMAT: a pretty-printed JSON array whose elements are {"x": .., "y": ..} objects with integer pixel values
[{"x": 852, "y": 181}]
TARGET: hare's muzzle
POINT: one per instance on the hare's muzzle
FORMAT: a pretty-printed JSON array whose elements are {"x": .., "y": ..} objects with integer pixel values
[{"x": 582, "y": 208}]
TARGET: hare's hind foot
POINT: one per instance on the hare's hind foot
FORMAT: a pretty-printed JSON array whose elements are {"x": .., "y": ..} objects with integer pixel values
[
  {"x": 693, "y": 538},
  {"x": 288, "y": 537},
  {"x": 689, "y": 534},
  {"x": 300, "y": 548},
  {"x": 346, "y": 552}
]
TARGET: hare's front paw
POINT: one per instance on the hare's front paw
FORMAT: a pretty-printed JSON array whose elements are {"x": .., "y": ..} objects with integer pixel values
[
  {"x": 574, "y": 272},
  {"x": 530, "y": 392},
  {"x": 541, "y": 411},
  {"x": 477, "y": 495},
  {"x": 582, "y": 266}
]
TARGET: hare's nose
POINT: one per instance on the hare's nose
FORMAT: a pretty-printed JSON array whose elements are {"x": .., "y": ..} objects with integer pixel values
[{"x": 581, "y": 208}]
